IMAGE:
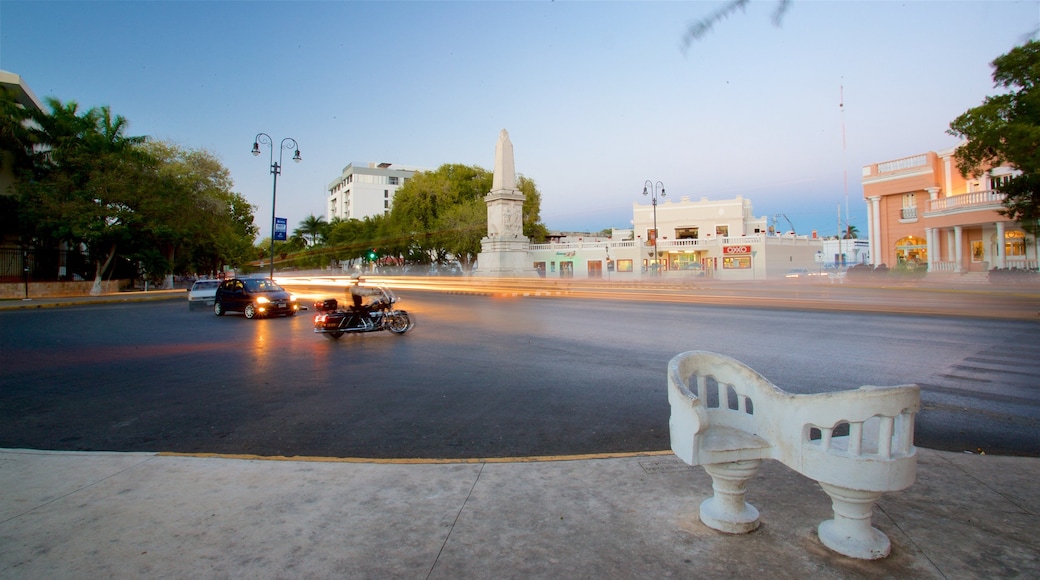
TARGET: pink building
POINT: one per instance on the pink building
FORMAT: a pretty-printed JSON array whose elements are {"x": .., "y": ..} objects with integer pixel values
[{"x": 922, "y": 212}]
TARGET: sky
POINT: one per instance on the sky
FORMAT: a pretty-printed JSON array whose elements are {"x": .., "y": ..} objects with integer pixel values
[{"x": 598, "y": 97}]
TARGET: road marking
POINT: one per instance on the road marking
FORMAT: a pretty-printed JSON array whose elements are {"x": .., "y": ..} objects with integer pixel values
[{"x": 417, "y": 461}]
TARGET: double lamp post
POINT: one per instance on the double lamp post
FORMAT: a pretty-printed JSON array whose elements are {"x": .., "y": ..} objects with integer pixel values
[
  {"x": 288, "y": 144},
  {"x": 650, "y": 188}
]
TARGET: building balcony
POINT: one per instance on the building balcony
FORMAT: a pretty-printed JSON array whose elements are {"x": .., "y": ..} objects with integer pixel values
[
  {"x": 986, "y": 200},
  {"x": 896, "y": 168}
]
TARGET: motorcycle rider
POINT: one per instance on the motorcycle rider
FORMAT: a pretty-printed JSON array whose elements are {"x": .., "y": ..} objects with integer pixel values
[{"x": 357, "y": 294}]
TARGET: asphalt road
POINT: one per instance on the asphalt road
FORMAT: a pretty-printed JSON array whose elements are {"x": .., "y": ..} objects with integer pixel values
[{"x": 482, "y": 376}]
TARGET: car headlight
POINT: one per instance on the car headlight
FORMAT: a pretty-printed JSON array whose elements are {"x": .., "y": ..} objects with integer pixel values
[{"x": 262, "y": 300}]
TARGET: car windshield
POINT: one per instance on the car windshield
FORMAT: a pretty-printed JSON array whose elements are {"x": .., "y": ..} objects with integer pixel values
[
  {"x": 261, "y": 285},
  {"x": 202, "y": 285}
]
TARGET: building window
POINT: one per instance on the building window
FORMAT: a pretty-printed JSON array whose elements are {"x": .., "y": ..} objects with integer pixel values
[
  {"x": 386, "y": 204},
  {"x": 909, "y": 210},
  {"x": 997, "y": 181},
  {"x": 686, "y": 262},
  {"x": 1014, "y": 243},
  {"x": 722, "y": 231},
  {"x": 687, "y": 233},
  {"x": 911, "y": 251},
  {"x": 386, "y": 193},
  {"x": 736, "y": 263},
  {"x": 393, "y": 180},
  {"x": 624, "y": 265}
]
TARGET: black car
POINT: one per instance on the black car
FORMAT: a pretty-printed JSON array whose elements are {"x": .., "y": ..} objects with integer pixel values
[{"x": 253, "y": 297}]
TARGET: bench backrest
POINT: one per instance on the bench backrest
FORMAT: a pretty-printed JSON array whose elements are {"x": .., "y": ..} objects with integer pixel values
[{"x": 861, "y": 439}]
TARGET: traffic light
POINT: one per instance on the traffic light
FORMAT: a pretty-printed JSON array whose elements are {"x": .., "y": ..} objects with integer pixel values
[{"x": 372, "y": 255}]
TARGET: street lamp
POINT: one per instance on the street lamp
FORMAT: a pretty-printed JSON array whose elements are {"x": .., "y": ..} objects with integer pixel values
[
  {"x": 650, "y": 188},
  {"x": 288, "y": 144}
]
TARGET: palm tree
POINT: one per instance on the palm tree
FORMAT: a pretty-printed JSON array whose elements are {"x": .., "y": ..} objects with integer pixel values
[
  {"x": 313, "y": 229},
  {"x": 851, "y": 233}
]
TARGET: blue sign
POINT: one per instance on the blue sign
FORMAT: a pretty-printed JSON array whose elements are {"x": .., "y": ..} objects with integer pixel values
[{"x": 280, "y": 227}]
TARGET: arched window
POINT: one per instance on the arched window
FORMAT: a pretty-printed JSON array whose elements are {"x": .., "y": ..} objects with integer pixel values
[
  {"x": 1014, "y": 243},
  {"x": 911, "y": 251}
]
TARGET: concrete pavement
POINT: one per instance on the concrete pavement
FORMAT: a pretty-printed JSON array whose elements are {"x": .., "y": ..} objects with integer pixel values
[{"x": 120, "y": 515}]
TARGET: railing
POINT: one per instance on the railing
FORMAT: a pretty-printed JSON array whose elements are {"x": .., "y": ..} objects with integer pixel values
[
  {"x": 908, "y": 213},
  {"x": 901, "y": 164},
  {"x": 43, "y": 265},
  {"x": 1021, "y": 264},
  {"x": 986, "y": 199},
  {"x": 666, "y": 244}
]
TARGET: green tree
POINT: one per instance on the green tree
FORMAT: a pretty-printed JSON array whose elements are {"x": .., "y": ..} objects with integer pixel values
[
  {"x": 441, "y": 214},
  {"x": 435, "y": 214},
  {"x": 192, "y": 218},
  {"x": 86, "y": 173},
  {"x": 1005, "y": 129},
  {"x": 851, "y": 232}
]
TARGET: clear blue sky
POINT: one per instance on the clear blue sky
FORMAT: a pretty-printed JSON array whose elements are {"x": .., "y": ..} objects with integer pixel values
[{"x": 597, "y": 97}]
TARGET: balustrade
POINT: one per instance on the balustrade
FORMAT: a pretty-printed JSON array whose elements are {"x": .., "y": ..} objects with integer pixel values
[
  {"x": 979, "y": 199},
  {"x": 901, "y": 164}
]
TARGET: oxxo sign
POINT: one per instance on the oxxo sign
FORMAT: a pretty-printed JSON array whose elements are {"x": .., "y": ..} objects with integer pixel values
[{"x": 731, "y": 250}]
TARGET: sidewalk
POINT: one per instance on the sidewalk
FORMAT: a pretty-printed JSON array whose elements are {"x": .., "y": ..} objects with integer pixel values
[
  {"x": 55, "y": 301},
  {"x": 121, "y": 515}
]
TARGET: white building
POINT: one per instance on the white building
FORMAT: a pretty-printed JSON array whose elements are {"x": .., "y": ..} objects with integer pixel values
[
  {"x": 855, "y": 251},
  {"x": 720, "y": 239},
  {"x": 365, "y": 190}
]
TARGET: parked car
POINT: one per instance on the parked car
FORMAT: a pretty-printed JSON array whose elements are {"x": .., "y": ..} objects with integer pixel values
[
  {"x": 253, "y": 297},
  {"x": 202, "y": 293}
]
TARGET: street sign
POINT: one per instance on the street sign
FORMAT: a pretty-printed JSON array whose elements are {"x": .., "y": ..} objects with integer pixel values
[{"x": 281, "y": 225}]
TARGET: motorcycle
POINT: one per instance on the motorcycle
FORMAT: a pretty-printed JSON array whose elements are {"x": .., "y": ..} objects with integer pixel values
[{"x": 379, "y": 314}]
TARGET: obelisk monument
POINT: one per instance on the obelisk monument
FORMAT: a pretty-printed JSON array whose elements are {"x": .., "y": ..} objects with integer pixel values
[{"x": 504, "y": 252}]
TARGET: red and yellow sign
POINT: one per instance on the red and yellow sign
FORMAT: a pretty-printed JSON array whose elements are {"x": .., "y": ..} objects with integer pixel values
[{"x": 736, "y": 250}]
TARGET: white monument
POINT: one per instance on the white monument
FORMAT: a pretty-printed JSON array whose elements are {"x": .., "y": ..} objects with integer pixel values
[{"x": 504, "y": 252}]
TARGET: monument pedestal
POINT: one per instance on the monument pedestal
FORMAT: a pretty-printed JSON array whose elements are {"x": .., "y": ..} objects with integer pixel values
[
  {"x": 505, "y": 258},
  {"x": 504, "y": 252}
]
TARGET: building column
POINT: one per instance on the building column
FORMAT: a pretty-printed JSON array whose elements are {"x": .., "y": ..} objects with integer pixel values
[
  {"x": 958, "y": 249},
  {"x": 874, "y": 229},
  {"x": 929, "y": 244},
  {"x": 1001, "y": 246}
]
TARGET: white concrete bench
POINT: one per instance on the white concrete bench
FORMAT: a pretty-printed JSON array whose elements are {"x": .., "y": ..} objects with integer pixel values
[{"x": 857, "y": 444}]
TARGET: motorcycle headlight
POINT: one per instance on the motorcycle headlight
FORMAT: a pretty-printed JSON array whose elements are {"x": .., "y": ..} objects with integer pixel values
[{"x": 262, "y": 300}]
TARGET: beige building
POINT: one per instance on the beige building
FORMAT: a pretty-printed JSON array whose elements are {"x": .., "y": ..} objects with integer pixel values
[{"x": 720, "y": 239}]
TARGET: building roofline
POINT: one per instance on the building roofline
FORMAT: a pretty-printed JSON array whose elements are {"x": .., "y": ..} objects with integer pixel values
[{"x": 22, "y": 93}]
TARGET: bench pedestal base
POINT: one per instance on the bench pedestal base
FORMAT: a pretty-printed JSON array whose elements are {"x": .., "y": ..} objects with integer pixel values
[
  {"x": 850, "y": 532},
  {"x": 727, "y": 511}
]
